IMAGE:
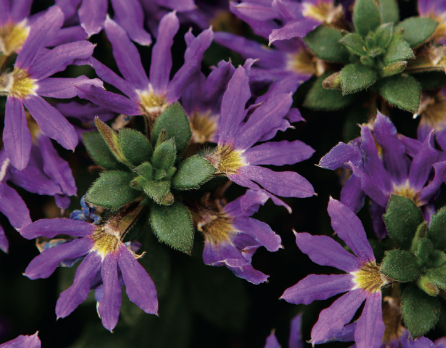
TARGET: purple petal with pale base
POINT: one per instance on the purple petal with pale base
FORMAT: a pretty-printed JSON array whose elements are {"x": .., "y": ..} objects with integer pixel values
[
  {"x": 4, "y": 244},
  {"x": 41, "y": 32},
  {"x": 78, "y": 292},
  {"x": 50, "y": 228},
  {"x": 23, "y": 342},
  {"x": 129, "y": 15},
  {"x": 271, "y": 341},
  {"x": 59, "y": 58},
  {"x": 13, "y": 207},
  {"x": 422, "y": 163},
  {"x": 51, "y": 122},
  {"x": 325, "y": 251},
  {"x": 278, "y": 153},
  {"x": 140, "y": 288},
  {"x": 352, "y": 195},
  {"x": 16, "y": 134},
  {"x": 339, "y": 155},
  {"x": 370, "y": 326},
  {"x": 292, "y": 29},
  {"x": 233, "y": 106},
  {"x": 127, "y": 56},
  {"x": 92, "y": 15},
  {"x": 260, "y": 231},
  {"x": 349, "y": 228},
  {"x": 64, "y": 88},
  {"x": 43, "y": 265},
  {"x": 192, "y": 64},
  {"x": 331, "y": 320},
  {"x": 318, "y": 287},
  {"x": 161, "y": 54},
  {"x": 111, "y": 101},
  {"x": 62, "y": 201},
  {"x": 394, "y": 156},
  {"x": 110, "y": 303},
  {"x": 285, "y": 184},
  {"x": 295, "y": 339}
]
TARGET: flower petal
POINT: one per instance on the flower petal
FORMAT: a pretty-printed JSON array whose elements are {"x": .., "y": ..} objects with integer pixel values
[
  {"x": 422, "y": 163},
  {"x": 429, "y": 191},
  {"x": 129, "y": 15},
  {"x": 278, "y": 153},
  {"x": 23, "y": 342},
  {"x": 50, "y": 228},
  {"x": 352, "y": 195},
  {"x": 78, "y": 292},
  {"x": 341, "y": 154},
  {"x": 64, "y": 88},
  {"x": 318, "y": 287},
  {"x": 13, "y": 207},
  {"x": 295, "y": 340},
  {"x": 271, "y": 341},
  {"x": 349, "y": 228},
  {"x": 292, "y": 29},
  {"x": 92, "y": 15},
  {"x": 139, "y": 286},
  {"x": 370, "y": 327},
  {"x": 4, "y": 244},
  {"x": 260, "y": 231}
]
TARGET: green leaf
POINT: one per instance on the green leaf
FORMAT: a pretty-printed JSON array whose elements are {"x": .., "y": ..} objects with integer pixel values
[
  {"x": 417, "y": 30},
  {"x": 176, "y": 123},
  {"x": 419, "y": 234},
  {"x": 145, "y": 170},
  {"x": 428, "y": 286},
  {"x": 389, "y": 11},
  {"x": 100, "y": 152},
  {"x": 402, "y": 91},
  {"x": 173, "y": 226},
  {"x": 424, "y": 249},
  {"x": 393, "y": 69},
  {"x": 383, "y": 35},
  {"x": 366, "y": 16},
  {"x": 111, "y": 139},
  {"x": 158, "y": 190},
  {"x": 398, "y": 50},
  {"x": 437, "y": 230},
  {"x": 356, "y": 77},
  {"x": 333, "y": 81},
  {"x": 400, "y": 265},
  {"x": 420, "y": 311},
  {"x": 319, "y": 98},
  {"x": 193, "y": 173},
  {"x": 165, "y": 155},
  {"x": 324, "y": 42},
  {"x": 135, "y": 146},
  {"x": 402, "y": 218},
  {"x": 112, "y": 190},
  {"x": 355, "y": 43},
  {"x": 438, "y": 276},
  {"x": 436, "y": 259}
]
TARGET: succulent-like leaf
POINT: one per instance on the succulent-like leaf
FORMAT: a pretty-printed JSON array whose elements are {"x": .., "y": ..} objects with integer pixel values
[
  {"x": 192, "y": 173},
  {"x": 398, "y": 50},
  {"x": 324, "y": 42},
  {"x": 355, "y": 43},
  {"x": 135, "y": 146},
  {"x": 164, "y": 155},
  {"x": 437, "y": 230},
  {"x": 402, "y": 91},
  {"x": 417, "y": 30},
  {"x": 389, "y": 11},
  {"x": 356, "y": 77},
  {"x": 111, "y": 139},
  {"x": 400, "y": 265},
  {"x": 366, "y": 16},
  {"x": 319, "y": 98}
]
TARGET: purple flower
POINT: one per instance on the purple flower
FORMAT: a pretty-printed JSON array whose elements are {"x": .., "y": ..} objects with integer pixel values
[
  {"x": 286, "y": 67},
  {"x": 381, "y": 168},
  {"x": 105, "y": 259},
  {"x": 30, "y": 80},
  {"x": 295, "y": 339},
  {"x": 23, "y": 342},
  {"x": 239, "y": 160},
  {"x": 92, "y": 15},
  {"x": 148, "y": 98},
  {"x": 362, "y": 281},
  {"x": 232, "y": 237},
  {"x": 437, "y": 11}
]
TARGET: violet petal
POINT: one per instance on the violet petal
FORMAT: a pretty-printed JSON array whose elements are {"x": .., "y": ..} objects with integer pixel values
[
  {"x": 50, "y": 228},
  {"x": 370, "y": 327}
]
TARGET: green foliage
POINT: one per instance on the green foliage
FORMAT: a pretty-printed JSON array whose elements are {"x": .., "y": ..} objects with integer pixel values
[
  {"x": 400, "y": 265},
  {"x": 135, "y": 146},
  {"x": 420, "y": 311},
  {"x": 402, "y": 218},
  {"x": 437, "y": 230},
  {"x": 398, "y": 50},
  {"x": 164, "y": 155},
  {"x": 192, "y": 173},
  {"x": 366, "y": 16},
  {"x": 438, "y": 276},
  {"x": 356, "y": 77},
  {"x": 319, "y": 98},
  {"x": 176, "y": 123},
  {"x": 173, "y": 226},
  {"x": 429, "y": 287},
  {"x": 145, "y": 170},
  {"x": 159, "y": 191},
  {"x": 389, "y": 11},
  {"x": 393, "y": 69},
  {"x": 402, "y": 91},
  {"x": 100, "y": 152},
  {"x": 384, "y": 34},
  {"x": 417, "y": 30},
  {"x": 355, "y": 44},
  {"x": 324, "y": 42},
  {"x": 112, "y": 190},
  {"x": 424, "y": 249},
  {"x": 111, "y": 139}
]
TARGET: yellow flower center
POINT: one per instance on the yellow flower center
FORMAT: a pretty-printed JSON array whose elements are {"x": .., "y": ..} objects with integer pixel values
[
  {"x": 203, "y": 126},
  {"x": 323, "y": 11},
  {"x": 406, "y": 191},
  {"x": 18, "y": 84},
  {"x": 226, "y": 160},
  {"x": 216, "y": 226},
  {"x": 105, "y": 243},
  {"x": 303, "y": 62},
  {"x": 434, "y": 112},
  {"x": 151, "y": 104},
  {"x": 226, "y": 21},
  {"x": 369, "y": 278},
  {"x": 12, "y": 37}
]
